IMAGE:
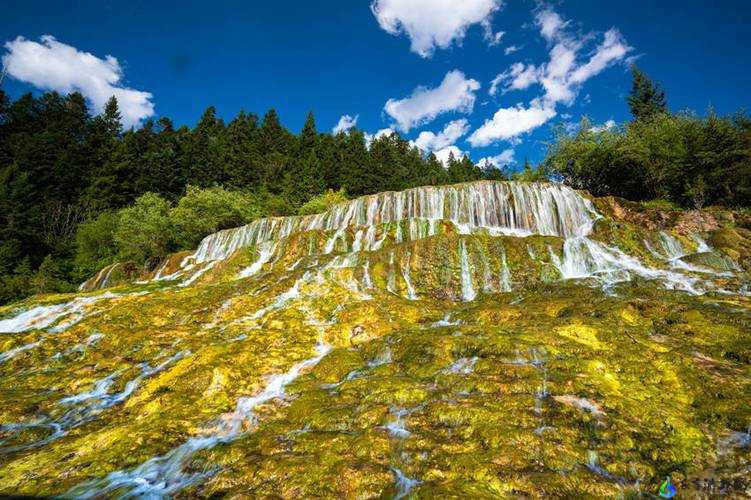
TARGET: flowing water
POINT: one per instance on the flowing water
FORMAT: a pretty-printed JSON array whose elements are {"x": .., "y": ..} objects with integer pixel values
[
  {"x": 468, "y": 290},
  {"x": 499, "y": 207},
  {"x": 40, "y": 317},
  {"x": 81, "y": 408},
  {"x": 164, "y": 475}
]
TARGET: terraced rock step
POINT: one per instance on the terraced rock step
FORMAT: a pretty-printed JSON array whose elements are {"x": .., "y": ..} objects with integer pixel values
[{"x": 478, "y": 340}]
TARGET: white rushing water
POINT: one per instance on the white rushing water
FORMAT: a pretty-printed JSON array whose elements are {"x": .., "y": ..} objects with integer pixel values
[
  {"x": 81, "y": 408},
  {"x": 468, "y": 290},
  {"x": 499, "y": 207},
  {"x": 40, "y": 317},
  {"x": 462, "y": 366},
  {"x": 12, "y": 353},
  {"x": 266, "y": 251},
  {"x": 586, "y": 258},
  {"x": 163, "y": 475}
]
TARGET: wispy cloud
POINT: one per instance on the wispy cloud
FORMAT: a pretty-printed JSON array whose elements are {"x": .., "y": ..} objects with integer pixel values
[
  {"x": 561, "y": 78},
  {"x": 511, "y": 49},
  {"x": 52, "y": 65}
]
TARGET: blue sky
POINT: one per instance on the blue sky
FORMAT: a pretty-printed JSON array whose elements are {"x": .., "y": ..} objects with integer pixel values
[{"x": 370, "y": 60}]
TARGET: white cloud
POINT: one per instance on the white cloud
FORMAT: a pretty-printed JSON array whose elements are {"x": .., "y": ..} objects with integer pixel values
[
  {"x": 506, "y": 157},
  {"x": 444, "y": 154},
  {"x": 491, "y": 38},
  {"x": 509, "y": 123},
  {"x": 613, "y": 48},
  {"x": 345, "y": 123},
  {"x": 369, "y": 138},
  {"x": 550, "y": 23},
  {"x": 610, "y": 124},
  {"x": 512, "y": 49},
  {"x": 52, "y": 65},
  {"x": 455, "y": 93},
  {"x": 428, "y": 141},
  {"x": 434, "y": 23},
  {"x": 561, "y": 79},
  {"x": 518, "y": 77}
]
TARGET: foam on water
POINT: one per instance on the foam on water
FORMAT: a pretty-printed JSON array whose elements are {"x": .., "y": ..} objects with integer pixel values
[{"x": 41, "y": 317}]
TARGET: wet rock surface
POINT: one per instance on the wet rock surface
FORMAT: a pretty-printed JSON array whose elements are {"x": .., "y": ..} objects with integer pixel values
[{"x": 451, "y": 350}]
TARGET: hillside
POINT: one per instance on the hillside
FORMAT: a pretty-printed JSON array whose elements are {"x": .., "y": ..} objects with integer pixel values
[{"x": 477, "y": 340}]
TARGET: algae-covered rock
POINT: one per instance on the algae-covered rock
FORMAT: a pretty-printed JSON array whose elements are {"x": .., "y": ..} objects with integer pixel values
[{"x": 482, "y": 340}]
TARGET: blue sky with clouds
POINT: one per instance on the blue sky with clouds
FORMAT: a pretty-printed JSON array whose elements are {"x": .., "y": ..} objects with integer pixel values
[{"x": 485, "y": 77}]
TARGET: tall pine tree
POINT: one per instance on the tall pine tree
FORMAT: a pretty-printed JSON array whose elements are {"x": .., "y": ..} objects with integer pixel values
[{"x": 646, "y": 98}]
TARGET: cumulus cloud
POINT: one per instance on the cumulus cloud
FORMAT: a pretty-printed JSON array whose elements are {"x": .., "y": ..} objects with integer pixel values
[
  {"x": 428, "y": 141},
  {"x": 550, "y": 23},
  {"x": 52, "y": 65},
  {"x": 509, "y": 123},
  {"x": 455, "y": 93},
  {"x": 346, "y": 122},
  {"x": 369, "y": 138},
  {"x": 561, "y": 78},
  {"x": 506, "y": 157},
  {"x": 443, "y": 154},
  {"x": 435, "y": 23}
]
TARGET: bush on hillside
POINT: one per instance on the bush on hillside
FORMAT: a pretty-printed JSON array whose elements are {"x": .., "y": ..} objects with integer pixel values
[
  {"x": 322, "y": 202},
  {"x": 204, "y": 211},
  {"x": 144, "y": 230},
  {"x": 95, "y": 246},
  {"x": 683, "y": 159}
]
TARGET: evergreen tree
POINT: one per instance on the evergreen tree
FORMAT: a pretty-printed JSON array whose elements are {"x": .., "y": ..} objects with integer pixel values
[{"x": 646, "y": 98}]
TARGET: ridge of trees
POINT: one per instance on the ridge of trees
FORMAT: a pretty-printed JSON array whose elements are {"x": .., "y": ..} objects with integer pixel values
[
  {"x": 69, "y": 182},
  {"x": 680, "y": 158}
]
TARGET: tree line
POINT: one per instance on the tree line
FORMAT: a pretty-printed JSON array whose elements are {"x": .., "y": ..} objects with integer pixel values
[
  {"x": 69, "y": 182},
  {"x": 681, "y": 158}
]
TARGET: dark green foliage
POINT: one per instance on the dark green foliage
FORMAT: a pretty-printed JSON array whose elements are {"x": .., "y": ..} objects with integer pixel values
[
  {"x": 683, "y": 159},
  {"x": 531, "y": 174},
  {"x": 646, "y": 99},
  {"x": 72, "y": 185},
  {"x": 678, "y": 158}
]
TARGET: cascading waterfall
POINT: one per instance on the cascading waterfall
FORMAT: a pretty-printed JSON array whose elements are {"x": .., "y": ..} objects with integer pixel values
[
  {"x": 411, "y": 293},
  {"x": 497, "y": 207},
  {"x": 585, "y": 258},
  {"x": 487, "y": 207},
  {"x": 41, "y": 317},
  {"x": 505, "y": 273},
  {"x": 266, "y": 251},
  {"x": 468, "y": 290}
]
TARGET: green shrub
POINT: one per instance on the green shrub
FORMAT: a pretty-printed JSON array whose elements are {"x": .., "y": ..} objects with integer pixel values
[
  {"x": 684, "y": 159},
  {"x": 204, "y": 211},
  {"x": 144, "y": 230},
  {"x": 95, "y": 245},
  {"x": 322, "y": 202},
  {"x": 49, "y": 277}
]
